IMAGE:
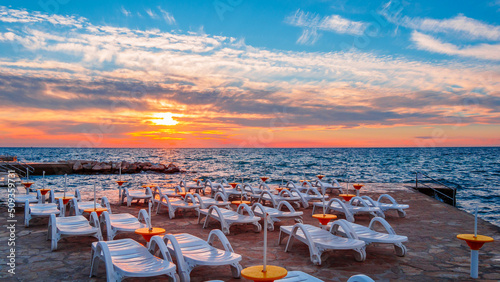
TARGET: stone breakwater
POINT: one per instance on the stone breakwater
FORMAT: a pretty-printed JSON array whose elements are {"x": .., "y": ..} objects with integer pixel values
[
  {"x": 126, "y": 167},
  {"x": 96, "y": 167}
]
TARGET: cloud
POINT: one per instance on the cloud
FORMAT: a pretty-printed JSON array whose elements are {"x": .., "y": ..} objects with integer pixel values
[
  {"x": 169, "y": 18},
  {"x": 311, "y": 23},
  {"x": 8, "y": 15},
  {"x": 151, "y": 14},
  {"x": 480, "y": 51},
  {"x": 460, "y": 25},
  {"x": 125, "y": 12},
  {"x": 214, "y": 80}
]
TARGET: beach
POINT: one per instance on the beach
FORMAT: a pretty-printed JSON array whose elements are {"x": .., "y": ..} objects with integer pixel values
[{"x": 434, "y": 253}]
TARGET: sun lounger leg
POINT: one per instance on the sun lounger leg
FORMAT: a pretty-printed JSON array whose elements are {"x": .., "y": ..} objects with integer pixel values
[
  {"x": 400, "y": 249},
  {"x": 257, "y": 228},
  {"x": 360, "y": 254},
  {"x": 236, "y": 270},
  {"x": 401, "y": 213}
]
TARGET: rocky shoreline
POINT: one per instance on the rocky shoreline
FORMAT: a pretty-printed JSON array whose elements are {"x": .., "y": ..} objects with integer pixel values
[
  {"x": 97, "y": 167},
  {"x": 83, "y": 167}
]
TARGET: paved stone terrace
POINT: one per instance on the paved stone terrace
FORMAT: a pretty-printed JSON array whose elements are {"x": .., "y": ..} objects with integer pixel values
[{"x": 434, "y": 253}]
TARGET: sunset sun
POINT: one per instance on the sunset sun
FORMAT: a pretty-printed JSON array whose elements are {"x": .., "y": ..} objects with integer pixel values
[{"x": 164, "y": 119}]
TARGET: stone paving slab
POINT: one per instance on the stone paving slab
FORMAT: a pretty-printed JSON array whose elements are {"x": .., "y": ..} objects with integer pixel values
[{"x": 434, "y": 253}]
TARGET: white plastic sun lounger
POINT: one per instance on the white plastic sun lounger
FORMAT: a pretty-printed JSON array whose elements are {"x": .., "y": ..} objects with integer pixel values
[
  {"x": 360, "y": 278},
  {"x": 42, "y": 210},
  {"x": 255, "y": 191},
  {"x": 53, "y": 195},
  {"x": 136, "y": 195},
  {"x": 77, "y": 208},
  {"x": 348, "y": 209},
  {"x": 393, "y": 205},
  {"x": 191, "y": 251},
  {"x": 284, "y": 195},
  {"x": 276, "y": 214},
  {"x": 76, "y": 225},
  {"x": 325, "y": 186},
  {"x": 228, "y": 217},
  {"x": 310, "y": 194},
  {"x": 369, "y": 235},
  {"x": 31, "y": 198},
  {"x": 298, "y": 276},
  {"x": 206, "y": 202},
  {"x": 188, "y": 203},
  {"x": 319, "y": 240},
  {"x": 123, "y": 222},
  {"x": 228, "y": 191},
  {"x": 127, "y": 258},
  {"x": 198, "y": 186}
]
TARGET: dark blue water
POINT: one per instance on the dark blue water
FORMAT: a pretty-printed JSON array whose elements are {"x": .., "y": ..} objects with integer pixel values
[{"x": 476, "y": 171}]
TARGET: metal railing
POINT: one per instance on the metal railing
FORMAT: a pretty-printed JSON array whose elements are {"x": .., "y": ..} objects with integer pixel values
[
  {"x": 426, "y": 179},
  {"x": 21, "y": 168}
]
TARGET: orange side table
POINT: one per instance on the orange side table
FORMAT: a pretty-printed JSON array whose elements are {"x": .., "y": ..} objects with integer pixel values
[
  {"x": 324, "y": 218},
  {"x": 256, "y": 273},
  {"x": 64, "y": 199},
  {"x": 347, "y": 197},
  {"x": 98, "y": 211},
  {"x": 475, "y": 243},
  {"x": 120, "y": 182},
  {"x": 147, "y": 234},
  {"x": 239, "y": 202},
  {"x": 27, "y": 184},
  {"x": 279, "y": 189}
]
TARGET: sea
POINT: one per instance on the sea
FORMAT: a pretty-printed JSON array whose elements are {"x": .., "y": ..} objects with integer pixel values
[{"x": 474, "y": 171}]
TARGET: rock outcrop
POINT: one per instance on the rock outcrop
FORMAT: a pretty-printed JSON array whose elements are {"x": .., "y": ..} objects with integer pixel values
[{"x": 83, "y": 167}]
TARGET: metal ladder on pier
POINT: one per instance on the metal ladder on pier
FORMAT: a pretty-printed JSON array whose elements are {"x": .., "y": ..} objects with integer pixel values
[
  {"x": 435, "y": 188},
  {"x": 19, "y": 167}
]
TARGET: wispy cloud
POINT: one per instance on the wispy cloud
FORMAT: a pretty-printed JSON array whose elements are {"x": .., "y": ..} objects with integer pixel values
[
  {"x": 125, "y": 11},
  {"x": 469, "y": 33},
  {"x": 480, "y": 51},
  {"x": 168, "y": 17},
  {"x": 311, "y": 23},
  {"x": 460, "y": 26},
  {"x": 22, "y": 16},
  {"x": 151, "y": 14}
]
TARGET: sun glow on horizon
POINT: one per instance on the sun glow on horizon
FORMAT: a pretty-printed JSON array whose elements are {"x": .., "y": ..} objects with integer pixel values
[{"x": 164, "y": 119}]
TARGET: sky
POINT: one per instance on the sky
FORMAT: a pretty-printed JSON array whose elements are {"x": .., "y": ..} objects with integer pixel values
[{"x": 240, "y": 73}]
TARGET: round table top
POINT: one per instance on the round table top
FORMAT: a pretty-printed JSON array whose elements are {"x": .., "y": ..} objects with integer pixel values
[
  {"x": 357, "y": 186},
  {"x": 233, "y": 184},
  {"x": 279, "y": 189},
  {"x": 196, "y": 179},
  {"x": 324, "y": 218},
  {"x": 97, "y": 210},
  {"x": 347, "y": 197},
  {"x": 272, "y": 273},
  {"x": 264, "y": 178},
  {"x": 327, "y": 215},
  {"x": 154, "y": 231},
  {"x": 43, "y": 191},
  {"x": 239, "y": 202},
  {"x": 64, "y": 199},
  {"x": 475, "y": 243},
  {"x": 478, "y": 238},
  {"x": 120, "y": 182},
  {"x": 320, "y": 176}
]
